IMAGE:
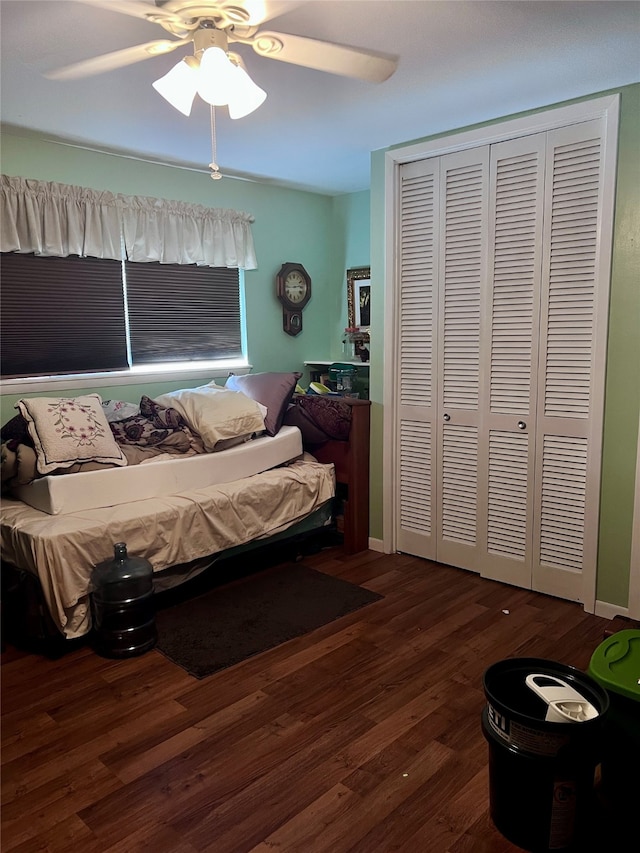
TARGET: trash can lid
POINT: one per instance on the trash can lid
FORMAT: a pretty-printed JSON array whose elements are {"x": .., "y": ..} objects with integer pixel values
[{"x": 615, "y": 664}]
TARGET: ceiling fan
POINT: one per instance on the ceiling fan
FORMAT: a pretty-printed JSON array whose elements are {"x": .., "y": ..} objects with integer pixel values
[{"x": 207, "y": 22}]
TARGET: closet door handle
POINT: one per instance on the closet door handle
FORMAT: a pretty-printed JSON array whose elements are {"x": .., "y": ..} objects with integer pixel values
[
  {"x": 446, "y": 417},
  {"x": 522, "y": 425}
]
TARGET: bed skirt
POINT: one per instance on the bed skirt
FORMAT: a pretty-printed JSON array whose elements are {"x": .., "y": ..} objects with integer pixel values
[
  {"x": 62, "y": 550},
  {"x": 27, "y": 623}
]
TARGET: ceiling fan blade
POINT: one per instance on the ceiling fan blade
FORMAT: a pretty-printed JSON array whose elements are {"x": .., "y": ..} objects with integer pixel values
[
  {"x": 146, "y": 11},
  {"x": 117, "y": 59},
  {"x": 239, "y": 12},
  {"x": 259, "y": 11},
  {"x": 325, "y": 56}
]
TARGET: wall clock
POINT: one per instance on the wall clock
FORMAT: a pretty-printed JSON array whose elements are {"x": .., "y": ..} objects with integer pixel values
[{"x": 293, "y": 288}]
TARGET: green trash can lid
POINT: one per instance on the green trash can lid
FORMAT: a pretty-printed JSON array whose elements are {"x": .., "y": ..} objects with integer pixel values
[{"x": 615, "y": 664}]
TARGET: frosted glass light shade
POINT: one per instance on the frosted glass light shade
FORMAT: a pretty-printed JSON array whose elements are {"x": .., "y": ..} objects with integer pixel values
[
  {"x": 246, "y": 96},
  {"x": 215, "y": 77},
  {"x": 179, "y": 86}
]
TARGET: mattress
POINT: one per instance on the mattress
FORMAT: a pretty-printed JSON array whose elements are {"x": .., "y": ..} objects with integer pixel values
[
  {"x": 68, "y": 493},
  {"x": 168, "y": 531}
]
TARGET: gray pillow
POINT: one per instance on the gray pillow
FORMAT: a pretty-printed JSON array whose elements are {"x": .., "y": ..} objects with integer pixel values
[{"x": 273, "y": 390}]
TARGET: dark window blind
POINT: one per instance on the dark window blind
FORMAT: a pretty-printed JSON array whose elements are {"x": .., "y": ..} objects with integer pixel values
[
  {"x": 60, "y": 315},
  {"x": 182, "y": 312}
]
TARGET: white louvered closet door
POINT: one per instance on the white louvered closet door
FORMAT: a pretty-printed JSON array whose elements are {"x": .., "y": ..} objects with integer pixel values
[
  {"x": 464, "y": 179},
  {"x": 415, "y": 367},
  {"x": 511, "y": 309},
  {"x": 540, "y": 459},
  {"x": 503, "y": 304},
  {"x": 574, "y": 303}
]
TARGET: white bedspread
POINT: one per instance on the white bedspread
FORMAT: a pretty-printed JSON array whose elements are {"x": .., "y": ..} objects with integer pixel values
[{"x": 62, "y": 550}]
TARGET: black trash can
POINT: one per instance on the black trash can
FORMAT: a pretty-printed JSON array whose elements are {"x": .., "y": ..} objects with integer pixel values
[
  {"x": 122, "y": 607},
  {"x": 543, "y": 752}
]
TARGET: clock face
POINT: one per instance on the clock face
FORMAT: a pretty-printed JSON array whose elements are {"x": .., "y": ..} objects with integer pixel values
[{"x": 295, "y": 287}]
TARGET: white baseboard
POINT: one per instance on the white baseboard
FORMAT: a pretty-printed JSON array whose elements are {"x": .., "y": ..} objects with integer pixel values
[
  {"x": 608, "y": 611},
  {"x": 602, "y": 608}
]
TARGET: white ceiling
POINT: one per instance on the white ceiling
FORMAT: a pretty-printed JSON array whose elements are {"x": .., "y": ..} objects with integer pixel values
[{"x": 459, "y": 63}]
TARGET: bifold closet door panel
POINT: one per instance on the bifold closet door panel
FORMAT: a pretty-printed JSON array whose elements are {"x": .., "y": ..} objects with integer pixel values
[
  {"x": 511, "y": 312},
  {"x": 415, "y": 369},
  {"x": 463, "y": 221},
  {"x": 575, "y": 288}
]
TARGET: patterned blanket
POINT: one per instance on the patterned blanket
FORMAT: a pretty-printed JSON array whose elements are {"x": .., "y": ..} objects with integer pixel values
[{"x": 319, "y": 418}]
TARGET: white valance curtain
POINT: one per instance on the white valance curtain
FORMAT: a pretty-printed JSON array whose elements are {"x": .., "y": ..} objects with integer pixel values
[{"x": 48, "y": 218}]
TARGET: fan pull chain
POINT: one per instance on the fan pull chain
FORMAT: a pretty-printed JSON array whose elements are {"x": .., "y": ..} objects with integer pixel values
[{"x": 215, "y": 169}]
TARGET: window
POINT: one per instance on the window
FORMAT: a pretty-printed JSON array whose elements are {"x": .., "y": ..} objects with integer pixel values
[
  {"x": 182, "y": 312},
  {"x": 75, "y": 315}
]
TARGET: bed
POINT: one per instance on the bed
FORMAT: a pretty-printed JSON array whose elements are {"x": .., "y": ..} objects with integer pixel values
[{"x": 286, "y": 466}]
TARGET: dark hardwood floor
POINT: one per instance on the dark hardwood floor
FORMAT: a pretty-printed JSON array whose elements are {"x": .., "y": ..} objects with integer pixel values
[{"x": 362, "y": 737}]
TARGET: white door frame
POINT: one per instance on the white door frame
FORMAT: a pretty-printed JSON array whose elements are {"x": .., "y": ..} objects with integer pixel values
[{"x": 607, "y": 108}]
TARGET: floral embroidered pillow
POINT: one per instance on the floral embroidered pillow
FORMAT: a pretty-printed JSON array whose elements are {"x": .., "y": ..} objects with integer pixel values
[{"x": 66, "y": 431}]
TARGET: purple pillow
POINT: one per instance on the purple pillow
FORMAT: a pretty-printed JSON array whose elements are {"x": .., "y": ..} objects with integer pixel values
[{"x": 273, "y": 390}]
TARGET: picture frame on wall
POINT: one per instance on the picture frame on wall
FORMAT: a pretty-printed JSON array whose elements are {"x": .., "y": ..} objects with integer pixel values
[{"x": 359, "y": 298}]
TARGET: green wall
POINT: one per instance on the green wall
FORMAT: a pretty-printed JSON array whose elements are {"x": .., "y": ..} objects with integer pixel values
[
  {"x": 328, "y": 235},
  {"x": 289, "y": 226},
  {"x": 622, "y": 401},
  {"x": 352, "y": 249},
  {"x": 623, "y": 366}
]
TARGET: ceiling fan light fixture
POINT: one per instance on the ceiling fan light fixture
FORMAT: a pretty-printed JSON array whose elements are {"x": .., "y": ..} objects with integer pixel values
[
  {"x": 216, "y": 81},
  {"x": 247, "y": 96},
  {"x": 179, "y": 86},
  {"x": 223, "y": 82}
]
